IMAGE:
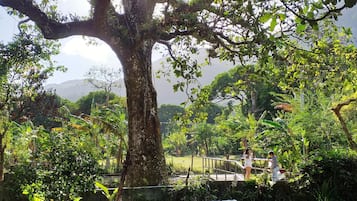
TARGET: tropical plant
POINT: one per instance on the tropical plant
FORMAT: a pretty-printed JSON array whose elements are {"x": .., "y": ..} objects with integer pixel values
[
  {"x": 168, "y": 115},
  {"x": 105, "y": 191},
  {"x": 64, "y": 170},
  {"x": 25, "y": 64}
]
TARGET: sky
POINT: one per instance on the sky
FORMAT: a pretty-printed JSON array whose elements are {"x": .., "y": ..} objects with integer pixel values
[{"x": 75, "y": 52}]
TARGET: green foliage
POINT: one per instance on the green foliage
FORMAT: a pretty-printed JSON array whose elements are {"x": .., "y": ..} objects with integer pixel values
[
  {"x": 109, "y": 125},
  {"x": 332, "y": 175},
  {"x": 42, "y": 110},
  {"x": 250, "y": 190},
  {"x": 197, "y": 189},
  {"x": 86, "y": 103},
  {"x": 169, "y": 112},
  {"x": 327, "y": 65},
  {"x": 168, "y": 115},
  {"x": 176, "y": 143},
  {"x": 64, "y": 170},
  {"x": 25, "y": 64},
  {"x": 29, "y": 191},
  {"x": 49, "y": 165},
  {"x": 18, "y": 176},
  {"x": 108, "y": 195},
  {"x": 248, "y": 84}
]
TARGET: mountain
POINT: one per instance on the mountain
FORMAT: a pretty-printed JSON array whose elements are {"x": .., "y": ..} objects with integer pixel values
[{"x": 75, "y": 89}]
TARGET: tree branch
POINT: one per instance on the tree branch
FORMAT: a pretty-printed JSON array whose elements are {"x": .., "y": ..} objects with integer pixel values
[
  {"x": 100, "y": 12},
  {"x": 340, "y": 105},
  {"x": 337, "y": 110},
  {"x": 51, "y": 29},
  {"x": 325, "y": 15}
]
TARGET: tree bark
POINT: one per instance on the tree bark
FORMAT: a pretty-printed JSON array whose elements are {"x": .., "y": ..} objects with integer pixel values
[
  {"x": 2, "y": 161},
  {"x": 147, "y": 162}
]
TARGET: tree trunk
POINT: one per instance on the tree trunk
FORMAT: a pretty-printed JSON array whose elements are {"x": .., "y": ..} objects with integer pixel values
[
  {"x": 119, "y": 155},
  {"x": 2, "y": 158},
  {"x": 254, "y": 98},
  {"x": 146, "y": 165}
]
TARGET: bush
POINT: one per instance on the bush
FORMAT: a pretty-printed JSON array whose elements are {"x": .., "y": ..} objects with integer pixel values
[
  {"x": 14, "y": 181},
  {"x": 198, "y": 189},
  {"x": 63, "y": 171},
  {"x": 332, "y": 176},
  {"x": 66, "y": 170}
]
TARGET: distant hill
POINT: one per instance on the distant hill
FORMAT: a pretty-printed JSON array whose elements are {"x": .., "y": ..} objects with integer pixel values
[{"x": 75, "y": 89}]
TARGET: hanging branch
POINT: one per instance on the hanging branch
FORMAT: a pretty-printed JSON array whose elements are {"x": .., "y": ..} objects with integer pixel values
[{"x": 337, "y": 111}]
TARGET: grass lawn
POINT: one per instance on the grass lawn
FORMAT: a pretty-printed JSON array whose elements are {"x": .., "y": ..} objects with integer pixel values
[{"x": 180, "y": 164}]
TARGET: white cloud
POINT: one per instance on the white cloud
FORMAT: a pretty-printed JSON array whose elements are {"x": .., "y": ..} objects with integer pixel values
[{"x": 100, "y": 54}]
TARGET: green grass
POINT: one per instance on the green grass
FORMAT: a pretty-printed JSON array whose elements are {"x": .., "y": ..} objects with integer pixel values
[{"x": 180, "y": 165}]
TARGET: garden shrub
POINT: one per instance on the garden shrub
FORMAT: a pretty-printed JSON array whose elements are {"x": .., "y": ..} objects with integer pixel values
[
  {"x": 197, "y": 189},
  {"x": 66, "y": 170},
  {"x": 332, "y": 176},
  {"x": 14, "y": 180},
  {"x": 61, "y": 171}
]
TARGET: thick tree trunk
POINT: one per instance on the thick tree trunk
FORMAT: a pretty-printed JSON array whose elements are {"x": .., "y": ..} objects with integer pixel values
[{"x": 146, "y": 165}]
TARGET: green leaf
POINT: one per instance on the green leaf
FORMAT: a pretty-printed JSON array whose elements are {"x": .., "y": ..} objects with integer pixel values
[
  {"x": 265, "y": 18},
  {"x": 272, "y": 124},
  {"x": 318, "y": 5},
  {"x": 314, "y": 25},
  {"x": 300, "y": 28},
  {"x": 115, "y": 192},
  {"x": 105, "y": 189},
  {"x": 282, "y": 16},
  {"x": 273, "y": 23},
  {"x": 250, "y": 7}
]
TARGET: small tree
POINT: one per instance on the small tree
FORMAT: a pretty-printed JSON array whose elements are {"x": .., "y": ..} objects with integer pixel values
[
  {"x": 25, "y": 64},
  {"x": 104, "y": 79}
]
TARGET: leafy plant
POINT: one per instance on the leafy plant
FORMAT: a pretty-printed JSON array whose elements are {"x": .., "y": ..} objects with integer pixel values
[
  {"x": 333, "y": 175},
  {"x": 63, "y": 171},
  {"x": 105, "y": 191},
  {"x": 197, "y": 189},
  {"x": 30, "y": 191}
]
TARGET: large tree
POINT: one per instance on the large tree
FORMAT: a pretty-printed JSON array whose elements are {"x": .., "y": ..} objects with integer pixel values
[{"x": 240, "y": 28}]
